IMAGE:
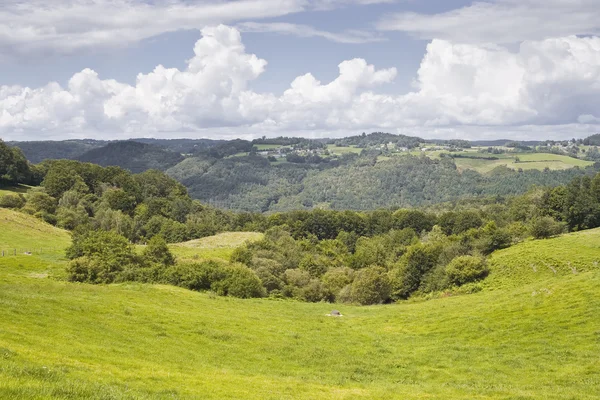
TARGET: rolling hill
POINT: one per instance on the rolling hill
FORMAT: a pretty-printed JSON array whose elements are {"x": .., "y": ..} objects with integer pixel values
[
  {"x": 133, "y": 156},
  {"x": 525, "y": 336}
]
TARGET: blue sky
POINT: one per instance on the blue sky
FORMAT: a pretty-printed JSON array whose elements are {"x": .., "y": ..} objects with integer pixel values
[{"x": 244, "y": 68}]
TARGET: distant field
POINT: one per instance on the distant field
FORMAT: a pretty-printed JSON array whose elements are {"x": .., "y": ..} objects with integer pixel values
[
  {"x": 341, "y": 150},
  {"x": 268, "y": 146},
  {"x": 14, "y": 189},
  {"x": 219, "y": 246},
  {"x": 528, "y": 161},
  {"x": 520, "y": 338}
]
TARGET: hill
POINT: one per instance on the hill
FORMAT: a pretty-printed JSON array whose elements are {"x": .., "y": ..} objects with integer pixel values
[
  {"x": 252, "y": 183},
  {"x": 134, "y": 156},
  {"x": 38, "y": 151},
  {"x": 541, "y": 260},
  {"x": 136, "y": 341}
]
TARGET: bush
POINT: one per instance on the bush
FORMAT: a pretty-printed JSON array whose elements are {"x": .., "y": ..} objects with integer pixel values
[
  {"x": 466, "y": 269},
  {"x": 195, "y": 276},
  {"x": 12, "y": 201},
  {"x": 158, "y": 252},
  {"x": 239, "y": 281},
  {"x": 100, "y": 257},
  {"x": 371, "y": 286},
  {"x": 545, "y": 227}
]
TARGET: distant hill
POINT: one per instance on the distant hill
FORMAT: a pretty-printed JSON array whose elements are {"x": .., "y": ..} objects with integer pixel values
[
  {"x": 593, "y": 140},
  {"x": 134, "y": 156},
  {"x": 184, "y": 146},
  {"x": 39, "y": 151},
  {"x": 502, "y": 142}
]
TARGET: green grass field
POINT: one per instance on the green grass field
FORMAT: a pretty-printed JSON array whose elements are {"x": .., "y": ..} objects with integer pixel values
[
  {"x": 14, "y": 189},
  {"x": 528, "y": 161},
  {"x": 526, "y": 336},
  {"x": 215, "y": 247},
  {"x": 343, "y": 149}
]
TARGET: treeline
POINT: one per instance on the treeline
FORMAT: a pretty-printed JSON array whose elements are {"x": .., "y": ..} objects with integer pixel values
[{"x": 14, "y": 167}]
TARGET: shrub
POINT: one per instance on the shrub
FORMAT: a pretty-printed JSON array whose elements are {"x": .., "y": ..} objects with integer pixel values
[
  {"x": 158, "y": 252},
  {"x": 12, "y": 201},
  {"x": 105, "y": 255},
  {"x": 545, "y": 227},
  {"x": 195, "y": 276},
  {"x": 466, "y": 269},
  {"x": 335, "y": 279},
  {"x": 239, "y": 281},
  {"x": 371, "y": 286}
]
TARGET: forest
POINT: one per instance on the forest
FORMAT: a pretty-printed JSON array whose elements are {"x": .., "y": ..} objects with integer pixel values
[{"x": 366, "y": 257}]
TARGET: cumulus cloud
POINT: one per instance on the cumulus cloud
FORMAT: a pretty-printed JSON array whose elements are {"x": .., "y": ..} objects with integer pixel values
[
  {"x": 502, "y": 21},
  {"x": 460, "y": 89}
]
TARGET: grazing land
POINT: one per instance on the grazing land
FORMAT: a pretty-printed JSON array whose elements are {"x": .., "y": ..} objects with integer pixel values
[{"x": 527, "y": 335}]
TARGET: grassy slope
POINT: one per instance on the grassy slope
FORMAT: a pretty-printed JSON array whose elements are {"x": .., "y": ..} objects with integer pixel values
[
  {"x": 219, "y": 246},
  {"x": 62, "y": 340},
  {"x": 541, "y": 260}
]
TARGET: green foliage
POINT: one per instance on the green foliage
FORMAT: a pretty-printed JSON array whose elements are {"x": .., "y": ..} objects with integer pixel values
[
  {"x": 12, "y": 200},
  {"x": 466, "y": 269},
  {"x": 158, "y": 252},
  {"x": 239, "y": 281},
  {"x": 545, "y": 227},
  {"x": 371, "y": 286},
  {"x": 14, "y": 168},
  {"x": 406, "y": 276},
  {"x": 101, "y": 257}
]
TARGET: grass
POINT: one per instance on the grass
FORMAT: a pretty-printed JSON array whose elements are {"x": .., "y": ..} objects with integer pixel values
[
  {"x": 528, "y": 161},
  {"x": 14, "y": 189},
  {"x": 541, "y": 260},
  {"x": 537, "y": 338},
  {"x": 220, "y": 246},
  {"x": 343, "y": 149}
]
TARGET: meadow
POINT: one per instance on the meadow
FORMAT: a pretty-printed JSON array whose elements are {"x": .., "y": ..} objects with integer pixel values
[{"x": 525, "y": 336}]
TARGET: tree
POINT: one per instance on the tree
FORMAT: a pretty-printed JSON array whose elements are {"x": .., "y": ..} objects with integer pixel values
[
  {"x": 465, "y": 269},
  {"x": 100, "y": 257},
  {"x": 371, "y": 286},
  {"x": 158, "y": 252}
]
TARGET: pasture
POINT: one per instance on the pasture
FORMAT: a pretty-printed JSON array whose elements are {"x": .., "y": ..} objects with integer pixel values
[{"x": 525, "y": 336}]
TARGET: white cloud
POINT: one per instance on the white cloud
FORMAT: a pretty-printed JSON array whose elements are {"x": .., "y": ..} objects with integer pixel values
[
  {"x": 64, "y": 26},
  {"x": 29, "y": 27},
  {"x": 348, "y": 37},
  {"x": 549, "y": 87},
  {"x": 502, "y": 21}
]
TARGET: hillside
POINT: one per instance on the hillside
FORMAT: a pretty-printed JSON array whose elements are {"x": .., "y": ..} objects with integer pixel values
[
  {"x": 38, "y": 151},
  {"x": 541, "y": 260},
  {"x": 135, "y": 341},
  {"x": 252, "y": 183},
  {"x": 133, "y": 156}
]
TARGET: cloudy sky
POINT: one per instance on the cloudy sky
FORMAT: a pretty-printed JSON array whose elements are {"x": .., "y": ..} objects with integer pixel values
[{"x": 114, "y": 69}]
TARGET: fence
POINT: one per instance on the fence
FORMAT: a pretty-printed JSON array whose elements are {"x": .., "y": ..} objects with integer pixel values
[{"x": 26, "y": 251}]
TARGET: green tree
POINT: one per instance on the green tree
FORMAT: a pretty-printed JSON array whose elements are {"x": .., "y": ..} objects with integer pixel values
[
  {"x": 465, "y": 269},
  {"x": 371, "y": 286},
  {"x": 158, "y": 252}
]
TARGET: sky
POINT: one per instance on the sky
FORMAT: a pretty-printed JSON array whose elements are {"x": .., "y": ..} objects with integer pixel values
[{"x": 117, "y": 69}]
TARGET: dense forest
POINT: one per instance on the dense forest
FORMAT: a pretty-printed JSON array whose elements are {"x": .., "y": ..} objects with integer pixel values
[
  {"x": 364, "y": 257},
  {"x": 353, "y": 182}
]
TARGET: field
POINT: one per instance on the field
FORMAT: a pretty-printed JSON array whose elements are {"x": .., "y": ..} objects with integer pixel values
[
  {"x": 527, "y": 161},
  {"x": 14, "y": 189},
  {"x": 218, "y": 247},
  {"x": 525, "y": 336},
  {"x": 343, "y": 149}
]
